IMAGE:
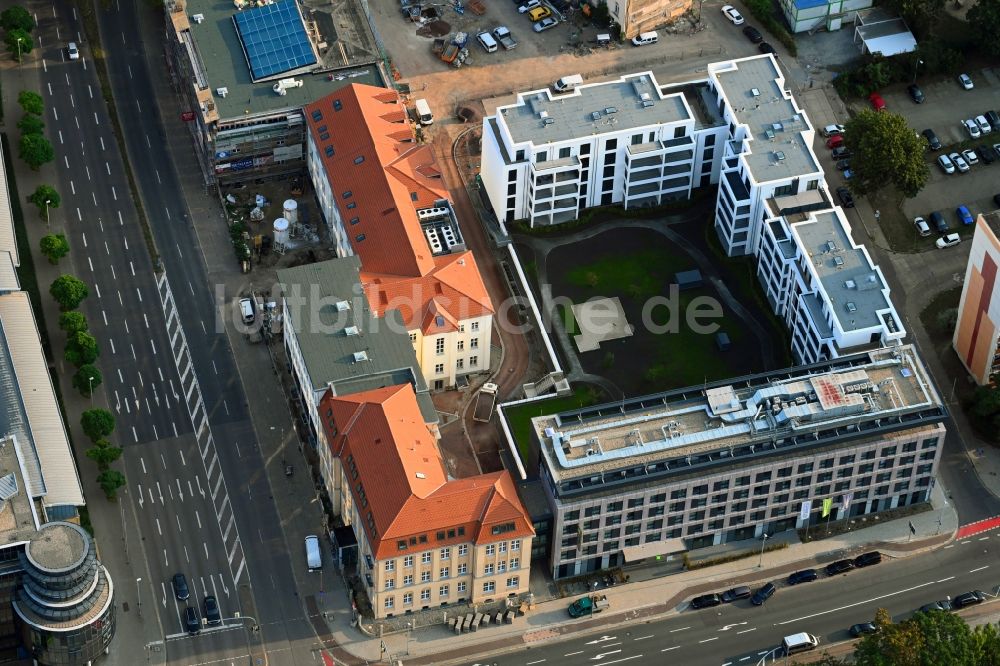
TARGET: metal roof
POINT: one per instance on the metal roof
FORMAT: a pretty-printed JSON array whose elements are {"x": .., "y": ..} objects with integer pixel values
[
  {"x": 274, "y": 39},
  {"x": 8, "y": 273},
  {"x": 30, "y": 410},
  {"x": 8, "y": 243}
]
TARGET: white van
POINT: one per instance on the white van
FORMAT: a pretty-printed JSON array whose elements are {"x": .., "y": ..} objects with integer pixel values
[
  {"x": 568, "y": 83},
  {"x": 247, "y": 310},
  {"x": 487, "y": 42},
  {"x": 645, "y": 38},
  {"x": 424, "y": 114},
  {"x": 800, "y": 642},
  {"x": 314, "y": 558}
]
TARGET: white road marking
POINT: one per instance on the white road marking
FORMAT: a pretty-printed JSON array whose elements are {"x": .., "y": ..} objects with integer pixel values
[
  {"x": 141, "y": 460},
  {"x": 670, "y": 648},
  {"x": 61, "y": 137},
  {"x": 570, "y": 654},
  {"x": 179, "y": 528},
  {"x": 944, "y": 580},
  {"x": 859, "y": 603},
  {"x": 158, "y": 530},
  {"x": 114, "y": 193},
  {"x": 66, "y": 159},
  {"x": 642, "y": 638},
  {"x": 983, "y": 538},
  {"x": 709, "y": 640},
  {"x": 198, "y": 518},
  {"x": 102, "y": 142},
  {"x": 674, "y": 631},
  {"x": 746, "y": 631},
  {"x": 534, "y": 662},
  {"x": 980, "y": 569}
]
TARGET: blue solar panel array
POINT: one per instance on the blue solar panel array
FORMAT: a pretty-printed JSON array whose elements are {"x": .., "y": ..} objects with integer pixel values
[{"x": 274, "y": 39}]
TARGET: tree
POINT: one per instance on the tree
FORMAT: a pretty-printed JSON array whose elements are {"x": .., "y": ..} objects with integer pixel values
[
  {"x": 81, "y": 348},
  {"x": 17, "y": 18},
  {"x": 54, "y": 246},
  {"x": 104, "y": 453},
  {"x": 31, "y": 102},
  {"x": 891, "y": 645},
  {"x": 69, "y": 291},
  {"x": 986, "y": 401},
  {"x": 886, "y": 152},
  {"x": 36, "y": 150},
  {"x": 30, "y": 124},
  {"x": 984, "y": 20},
  {"x": 42, "y": 194},
  {"x": 19, "y": 42},
  {"x": 73, "y": 321},
  {"x": 919, "y": 14},
  {"x": 86, "y": 379},
  {"x": 945, "y": 636},
  {"x": 928, "y": 639},
  {"x": 97, "y": 423},
  {"x": 110, "y": 481}
]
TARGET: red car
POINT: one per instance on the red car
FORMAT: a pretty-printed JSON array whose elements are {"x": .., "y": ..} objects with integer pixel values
[
  {"x": 877, "y": 102},
  {"x": 835, "y": 141}
]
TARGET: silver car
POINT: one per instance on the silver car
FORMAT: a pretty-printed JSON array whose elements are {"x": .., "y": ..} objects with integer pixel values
[
  {"x": 959, "y": 162},
  {"x": 972, "y": 128},
  {"x": 946, "y": 164},
  {"x": 984, "y": 125},
  {"x": 545, "y": 24}
]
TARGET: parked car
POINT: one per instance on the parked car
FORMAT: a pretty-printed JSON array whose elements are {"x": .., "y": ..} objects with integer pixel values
[
  {"x": 706, "y": 601},
  {"x": 833, "y": 130},
  {"x": 835, "y": 141},
  {"x": 804, "y": 576},
  {"x": 986, "y": 154},
  {"x": 932, "y": 140},
  {"x": 730, "y": 13},
  {"x": 965, "y": 81},
  {"x": 538, "y": 13},
  {"x": 763, "y": 594},
  {"x": 994, "y": 119},
  {"x": 996, "y": 149},
  {"x": 192, "y": 623},
  {"x": 916, "y": 94},
  {"x": 848, "y": 174},
  {"x": 923, "y": 228},
  {"x": 845, "y": 196},
  {"x": 963, "y": 215},
  {"x": 753, "y": 34},
  {"x": 862, "y": 628},
  {"x": 843, "y": 165},
  {"x": 943, "y": 605},
  {"x": 969, "y": 155},
  {"x": 544, "y": 24},
  {"x": 528, "y": 6},
  {"x": 949, "y": 240},
  {"x": 972, "y": 128},
  {"x": 968, "y": 599},
  {"x": 736, "y": 593},
  {"x": 180, "y": 586},
  {"x": 877, "y": 102},
  {"x": 839, "y": 567},
  {"x": 842, "y": 153},
  {"x": 212, "y": 613},
  {"x": 946, "y": 164},
  {"x": 984, "y": 125},
  {"x": 764, "y": 47},
  {"x": 941, "y": 225},
  {"x": 959, "y": 161}
]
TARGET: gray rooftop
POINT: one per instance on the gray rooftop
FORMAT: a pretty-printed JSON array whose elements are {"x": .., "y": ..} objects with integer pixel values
[
  {"x": 225, "y": 65},
  {"x": 636, "y": 101},
  {"x": 17, "y": 520},
  {"x": 342, "y": 342},
  {"x": 777, "y": 149},
  {"x": 850, "y": 279}
]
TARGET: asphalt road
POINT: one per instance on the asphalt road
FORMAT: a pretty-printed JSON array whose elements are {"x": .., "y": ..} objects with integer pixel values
[
  {"x": 194, "y": 498},
  {"x": 740, "y": 633}
]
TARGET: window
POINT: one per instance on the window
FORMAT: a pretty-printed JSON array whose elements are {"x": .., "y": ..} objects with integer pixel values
[
  {"x": 445, "y": 553},
  {"x": 317, "y": 115},
  {"x": 474, "y": 343},
  {"x": 360, "y": 237},
  {"x": 337, "y": 106},
  {"x": 459, "y": 364},
  {"x": 503, "y": 547},
  {"x": 473, "y": 361},
  {"x": 515, "y": 545},
  {"x": 462, "y": 587},
  {"x": 425, "y": 558},
  {"x": 408, "y": 579},
  {"x": 425, "y": 576},
  {"x": 443, "y": 591},
  {"x": 501, "y": 567},
  {"x": 513, "y": 581},
  {"x": 461, "y": 345},
  {"x": 475, "y": 326},
  {"x": 488, "y": 569},
  {"x": 329, "y": 151},
  {"x": 413, "y": 337},
  {"x": 408, "y": 599},
  {"x": 389, "y": 602},
  {"x": 463, "y": 550},
  {"x": 390, "y": 583},
  {"x": 463, "y": 569},
  {"x": 439, "y": 369},
  {"x": 743, "y": 480},
  {"x": 720, "y": 485},
  {"x": 514, "y": 564},
  {"x": 489, "y": 586},
  {"x": 700, "y": 490},
  {"x": 408, "y": 561},
  {"x": 348, "y": 194},
  {"x": 425, "y": 595},
  {"x": 390, "y": 565},
  {"x": 439, "y": 346},
  {"x": 359, "y": 159}
]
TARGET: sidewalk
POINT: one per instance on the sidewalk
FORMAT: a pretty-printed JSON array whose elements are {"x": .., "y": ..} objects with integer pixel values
[{"x": 654, "y": 598}]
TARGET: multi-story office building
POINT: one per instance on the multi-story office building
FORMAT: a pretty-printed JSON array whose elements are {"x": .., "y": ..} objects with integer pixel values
[
  {"x": 246, "y": 69},
  {"x": 733, "y": 460},
  {"x": 424, "y": 541},
  {"x": 336, "y": 344},
  {"x": 977, "y": 332},
  {"x": 630, "y": 142},
  {"x": 382, "y": 198}
]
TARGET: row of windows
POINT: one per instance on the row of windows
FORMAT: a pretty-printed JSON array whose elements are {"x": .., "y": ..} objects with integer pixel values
[
  {"x": 462, "y": 570},
  {"x": 444, "y": 591},
  {"x": 444, "y": 554},
  {"x": 459, "y": 365}
]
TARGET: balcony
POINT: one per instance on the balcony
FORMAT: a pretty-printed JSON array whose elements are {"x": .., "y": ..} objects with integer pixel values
[{"x": 560, "y": 164}]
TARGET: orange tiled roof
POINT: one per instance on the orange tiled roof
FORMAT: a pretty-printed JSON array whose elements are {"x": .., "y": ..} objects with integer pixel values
[
  {"x": 454, "y": 290},
  {"x": 406, "y": 492}
]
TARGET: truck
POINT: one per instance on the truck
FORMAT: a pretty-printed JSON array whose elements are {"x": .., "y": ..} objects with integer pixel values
[
  {"x": 589, "y": 605},
  {"x": 485, "y": 402},
  {"x": 503, "y": 36},
  {"x": 454, "y": 52}
]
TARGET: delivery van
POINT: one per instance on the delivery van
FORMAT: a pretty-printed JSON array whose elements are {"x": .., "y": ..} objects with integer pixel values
[
  {"x": 487, "y": 42},
  {"x": 644, "y": 38},
  {"x": 314, "y": 557},
  {"x": 424, "y": 114},
  {"x": 567, "y": 83},
  {"x": 800, "y": 642}
]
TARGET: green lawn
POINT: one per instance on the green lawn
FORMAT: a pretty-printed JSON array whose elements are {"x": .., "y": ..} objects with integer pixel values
[
  {"x": 519, "y": 417},
  {"x": 640, "y": 274},
  {"x": 687, "y": 358}
]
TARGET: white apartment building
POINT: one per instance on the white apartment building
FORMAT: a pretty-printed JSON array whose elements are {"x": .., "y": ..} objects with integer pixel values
[{"x": 629, "y": 142}]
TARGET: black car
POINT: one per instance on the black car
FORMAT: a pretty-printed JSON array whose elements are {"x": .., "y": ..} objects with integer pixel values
[
  {"x": 916, "y": 94},
  {"x": 862, "y": 628},
  {"x": 741, "y": 592},
  {"x": 180, "y": 587},
  {"x": 192, "y": 623},
  {"x": 871, "y": 557},
  {"x": 932, "y": 141},
  {"x": 944, "y": 605},
  {"x": 705, "y": 601},
  {"x": 839, "y": 567},
  {"x": 843, "y": 165},
  {"x": 764, "y": 47},
  {"x": 763, "y": 594},
  {"x": 845, "y": 196},
  {"x": 941, "y": 224},
  {"x": 968, "y": 599},
  {"x": 841, "y": 153},
  {"x": 804, "y": 576},
  {"x": 753, "y": 34},
  {"x": 986, "y": 154},
  {"x": 212, "y": 613}
]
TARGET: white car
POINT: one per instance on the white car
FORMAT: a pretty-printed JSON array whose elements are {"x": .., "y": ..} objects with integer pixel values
[
  {"x": 72, "y": 51},
  {"x": 923, "y": 228},
  {"x": 972, "y": 128},
  {"x": 528, "y": 6},
  {"x": 996, "y": 149},
  {"x": 970, "y": 156},
  {"x": 732, "y": 15},
  {"x": 959, "y": 162},
  {"x": 946, "y": 164},
  {"x": 984, "y": 125},
  {"x": 948, "y": 240},
  {"x": 965, "y": 81},
  {"x": 833, "y": 130}
]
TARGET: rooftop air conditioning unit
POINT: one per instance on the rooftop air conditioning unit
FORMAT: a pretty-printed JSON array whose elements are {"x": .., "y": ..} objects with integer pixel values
[
  {"x": 198, "y": 18},
  {"x": 222, "y": 92},
  {"x": 284, "y": 85}
]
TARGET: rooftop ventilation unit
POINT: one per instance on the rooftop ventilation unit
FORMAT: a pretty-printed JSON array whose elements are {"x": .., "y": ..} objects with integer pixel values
[
  {"x": 850, "y": 306},
  {"x": 796, "y": 118},
  {"x": 609, "y": 110},
  {"x": 769, "y": 134},
  {"x": 222, "y": 92},
  {"x": 831, "y": 246},
  {"x": 351, "y": 330},
  {"x": 198, "y": 18},
  {"x": 360, "y": 356},
  {"x": 755, "y": 92},
  {"x": 420, "y": 475},
  {"x": 778, "y": 127},
  {"x": 838, "y": 261},
  {"x": 548, "y": 121},
  {"x": 343, "y": 306},
  {"x": 779, "y": 155},
  {"x": 647, "y": 103},
  {"x": 851, "y": 284},
  {"x": 543, "y": 114},
  {"x": 596, "y": 115}
]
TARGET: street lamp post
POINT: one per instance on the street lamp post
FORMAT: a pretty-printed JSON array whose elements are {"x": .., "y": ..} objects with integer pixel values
[
  {"x": 47, "y": 203},
  {"x": 763, "y": 540},
  {"x": 18, "y": 51},
  {"x": 917, "y": 65},
  {"x": 90, "y": 389},
  {"x": 138, "y": 596}
]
